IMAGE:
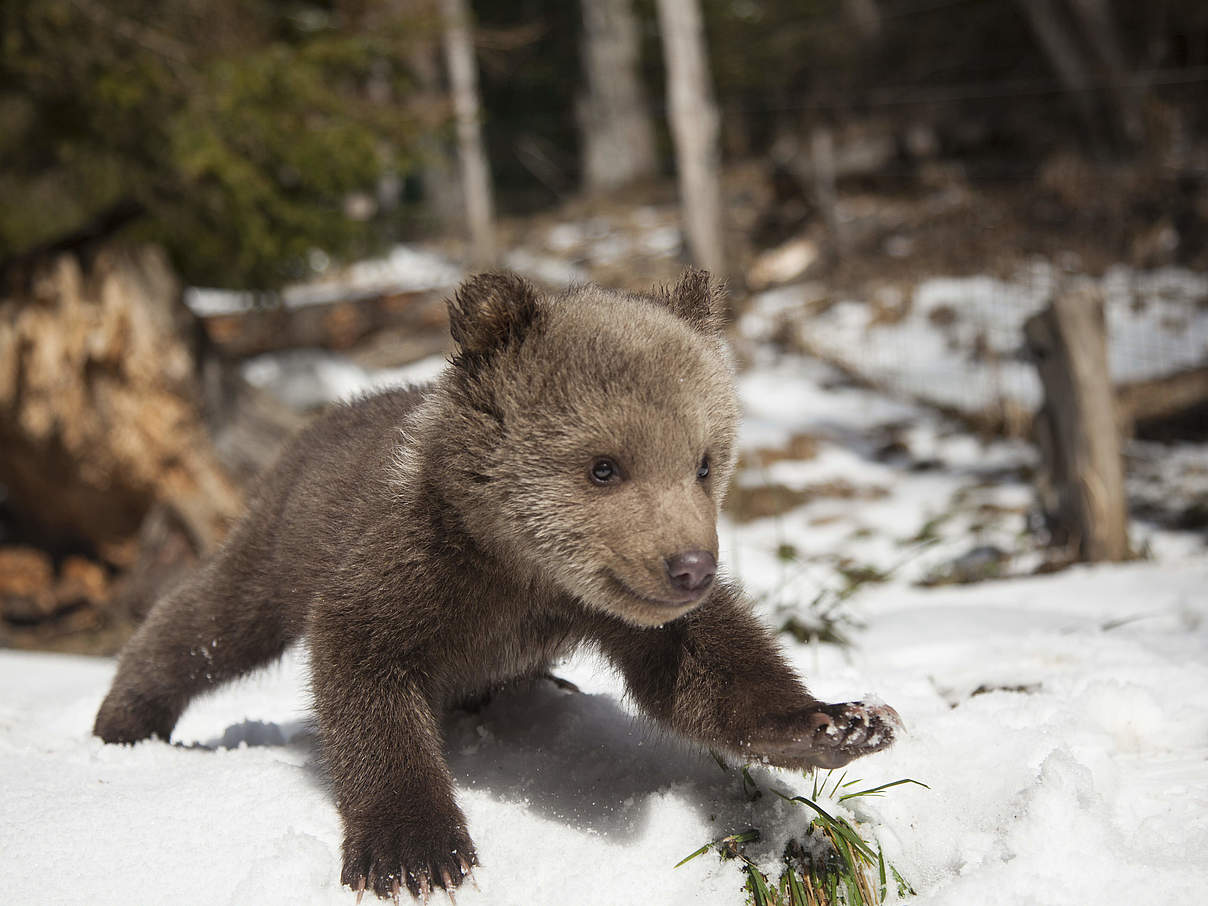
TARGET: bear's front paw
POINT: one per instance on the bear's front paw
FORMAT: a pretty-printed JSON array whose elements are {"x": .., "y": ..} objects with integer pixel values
[
  {"x": 129, "y": 718},
  {"x": 387, "y": 858},
  {"x": 827, "y": 736}
]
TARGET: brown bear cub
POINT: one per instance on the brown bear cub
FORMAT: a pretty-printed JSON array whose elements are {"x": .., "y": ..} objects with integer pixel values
[{"x": 558, "y": 485}]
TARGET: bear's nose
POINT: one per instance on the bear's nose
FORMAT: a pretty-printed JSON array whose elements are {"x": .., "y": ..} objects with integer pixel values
[{"x": 691, "y": 570}]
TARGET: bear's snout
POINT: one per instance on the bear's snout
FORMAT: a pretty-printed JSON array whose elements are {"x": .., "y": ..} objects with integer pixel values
[{"x": 691, "y": 571}]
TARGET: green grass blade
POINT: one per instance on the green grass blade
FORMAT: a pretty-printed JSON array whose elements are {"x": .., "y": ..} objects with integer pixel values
[
  {"x": 758, "y": 887},
  {"x": 851, "y": 869},
  {"x": 796, "y": 891},
  {"x": 876, "y": 790},
  {"x": 839, "y": 783},
  {"x": 700, "y": 852},
  {"x": 904, "y": 888},
  {"x": 839, "y": 826},
  {"x": 750, "y": 789},
  {"x": 853, "y": 838},
  {"x": 728, "y": 845}
]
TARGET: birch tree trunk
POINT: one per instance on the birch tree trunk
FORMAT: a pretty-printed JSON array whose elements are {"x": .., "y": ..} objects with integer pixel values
[
  {"x": 694, "y": 128},
  {"x": 475, "y": 175},
  {"x": 618, "y": 137}
]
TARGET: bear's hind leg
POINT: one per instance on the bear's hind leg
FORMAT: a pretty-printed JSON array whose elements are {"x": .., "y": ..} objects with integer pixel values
[{"x": 207, "y": 631}]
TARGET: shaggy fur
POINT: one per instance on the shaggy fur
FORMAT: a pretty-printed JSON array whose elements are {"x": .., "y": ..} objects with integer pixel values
[{"x": 546, "y": 492}]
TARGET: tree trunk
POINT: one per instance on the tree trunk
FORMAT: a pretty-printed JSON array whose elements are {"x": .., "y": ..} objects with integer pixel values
[
  {"x": 694, "y": 128},
  {"x": 100, "y": 407},
  {"x": 826, "y": 192},
  {"x": 1064, "y": 55},
  {"x": 1082, "y": 480},
  {"x": 1099, "y": 27},
  {"x": 475, "y": 174},
  {"x": 618, "y": 137},
  {"x": 441, "y": 187}
]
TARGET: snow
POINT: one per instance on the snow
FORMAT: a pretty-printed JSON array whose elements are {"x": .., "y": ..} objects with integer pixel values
[
  {"x": 958, "y": 342},
  {"x": 1060, "y": 721},
  {"x": 308, "y": 378},
  {"x": 404, "y": 269}
]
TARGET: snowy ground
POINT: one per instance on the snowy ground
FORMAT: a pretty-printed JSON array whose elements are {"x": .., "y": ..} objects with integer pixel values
[
  {"x": 1061, "y": 722},
  {"x": 957, "y": 341}
]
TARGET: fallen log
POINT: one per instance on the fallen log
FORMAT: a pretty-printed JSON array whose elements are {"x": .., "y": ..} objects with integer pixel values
[
  {"x": 338, "y": 323},
  {"x": 1173, "y": 404}
]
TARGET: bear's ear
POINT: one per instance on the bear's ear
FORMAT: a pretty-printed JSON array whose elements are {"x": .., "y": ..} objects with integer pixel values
[
  {"x": 489, "y": 310},
  {"x": 698, "y": 299}
]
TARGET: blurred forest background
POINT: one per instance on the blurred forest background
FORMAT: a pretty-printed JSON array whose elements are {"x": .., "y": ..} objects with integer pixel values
[{"x": 190, "y": 185}]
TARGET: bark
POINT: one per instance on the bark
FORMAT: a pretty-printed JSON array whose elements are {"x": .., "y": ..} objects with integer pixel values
[
  {"x": 1082, "y": 482},
  {"x": 100, "y": 408},
  {"x": 694, "y": 129},
  {"x": 1066, "y": 58},
  {"x": 475, "y": 175},
  {"x": 618, "y": 136}
]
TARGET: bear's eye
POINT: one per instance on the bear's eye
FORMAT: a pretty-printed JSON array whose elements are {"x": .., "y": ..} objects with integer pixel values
[
  {"x": 703, "y": 472},
  {"x": 605, "y": 471}
]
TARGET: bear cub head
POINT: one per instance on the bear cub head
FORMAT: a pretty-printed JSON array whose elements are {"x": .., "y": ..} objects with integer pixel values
[{"x": 587, "y": 437}]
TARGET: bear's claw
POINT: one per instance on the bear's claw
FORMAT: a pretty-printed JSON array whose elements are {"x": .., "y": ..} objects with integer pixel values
[{"x": 386, "y": 864}]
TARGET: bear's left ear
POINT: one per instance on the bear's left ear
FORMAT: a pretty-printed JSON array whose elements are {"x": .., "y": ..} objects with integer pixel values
[
  {"x": 490, "y": 310},
  {"x": 698, "y": 299}
]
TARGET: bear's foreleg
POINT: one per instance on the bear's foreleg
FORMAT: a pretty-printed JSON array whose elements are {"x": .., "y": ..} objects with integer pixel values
[
  {"x": 715, "y": 675},
  {"x": 382, "y": 746}
]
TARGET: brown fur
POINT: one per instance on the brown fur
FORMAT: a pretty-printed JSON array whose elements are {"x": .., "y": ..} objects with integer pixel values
[{"x": 430, "y": 544}]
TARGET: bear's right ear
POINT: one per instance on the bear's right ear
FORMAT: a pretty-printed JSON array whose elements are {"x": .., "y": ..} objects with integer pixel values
[{"x": 489, "y": 310}]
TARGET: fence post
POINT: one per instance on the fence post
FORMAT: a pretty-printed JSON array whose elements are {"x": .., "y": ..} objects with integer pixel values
[{"x": 1082, "y": 476}]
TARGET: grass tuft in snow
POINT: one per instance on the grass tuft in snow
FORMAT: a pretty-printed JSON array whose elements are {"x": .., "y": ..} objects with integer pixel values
[{"x": 833, "y": 865}]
